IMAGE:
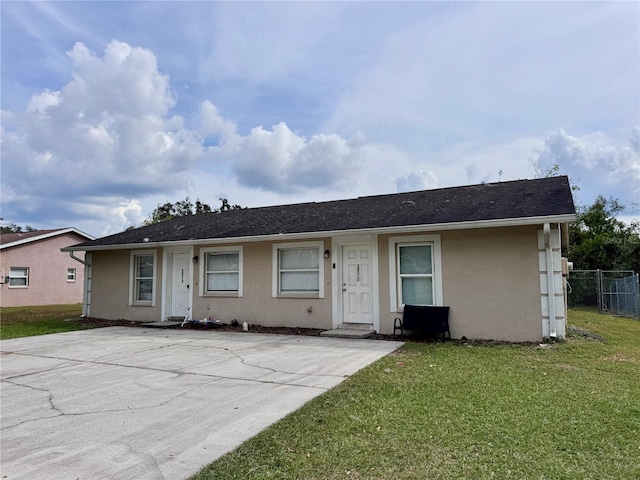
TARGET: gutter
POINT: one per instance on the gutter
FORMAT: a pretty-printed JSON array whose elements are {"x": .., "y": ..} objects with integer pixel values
[
  {"x": 433, "y": 227},
  {"x": 86, "y": 264},
  {"x": 86, "y": 288},
  {"x": 551, "y": 292}
]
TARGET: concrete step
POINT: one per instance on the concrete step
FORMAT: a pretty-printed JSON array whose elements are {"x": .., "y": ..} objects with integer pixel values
[
  {"x": 345, "y": 333},
  {"x": 356, "y": 326}
]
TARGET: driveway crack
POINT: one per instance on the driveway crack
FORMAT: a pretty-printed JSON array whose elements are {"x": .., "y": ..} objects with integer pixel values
[
  {"x": 272, "y": 370},
  {"x": 212, "y": 377},
  {"x": 67, "y": 364},
  {"x": 52, "y": 405},
  {"x": 181, "y": 372},
  {"x": 95, "y": 412}
]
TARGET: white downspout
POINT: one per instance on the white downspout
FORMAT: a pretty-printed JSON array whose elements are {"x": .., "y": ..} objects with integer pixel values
[
  {"x": 553, "y": 333},
  {"x": 86, "y": 307}
]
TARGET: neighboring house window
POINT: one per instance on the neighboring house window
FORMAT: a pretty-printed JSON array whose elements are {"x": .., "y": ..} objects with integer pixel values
[
  {"x": 221, "y": 271},
  {"x": 143, "y": 274},
  {"x": 19, "y": 277},
  {"x": 298, "y": 269},
  {"x": 71, "y": 274},
  {"x": 416, "y": 272}
]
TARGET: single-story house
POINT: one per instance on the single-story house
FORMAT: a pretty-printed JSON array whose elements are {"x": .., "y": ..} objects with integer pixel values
[
  {"x": 33, "y": 270},
  {"x": 491, "y": 252}
]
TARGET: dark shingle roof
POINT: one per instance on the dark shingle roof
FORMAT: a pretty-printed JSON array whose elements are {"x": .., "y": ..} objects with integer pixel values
[{"x": 492, "y": 201}]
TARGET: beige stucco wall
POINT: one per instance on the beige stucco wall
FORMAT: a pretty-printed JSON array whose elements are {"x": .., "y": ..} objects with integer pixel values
[
  {"x": 490, "y": 281},
  {"x": 257, "y": 305},
  {"x": 48, "y": 266},
  {"x": 110, "y": 283}
]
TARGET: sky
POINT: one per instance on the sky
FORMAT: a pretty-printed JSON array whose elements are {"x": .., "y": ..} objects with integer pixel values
[{"x": 111, "y": 108}]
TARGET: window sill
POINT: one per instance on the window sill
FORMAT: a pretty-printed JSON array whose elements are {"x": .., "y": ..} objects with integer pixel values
[
  {"x": 18, "y": 287},
  {"x": 298, "y": 295},
  {"x": 142, "y": 304},
  {"x": 221, "y": 295}
]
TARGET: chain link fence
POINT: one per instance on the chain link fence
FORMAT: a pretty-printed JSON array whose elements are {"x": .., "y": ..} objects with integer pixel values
[{"x": 616, "y": 292}]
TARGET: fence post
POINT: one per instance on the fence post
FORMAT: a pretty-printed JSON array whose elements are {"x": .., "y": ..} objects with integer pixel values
[
  {"x": 599, "y": 288},
  {"x": 638, "y": 295}
]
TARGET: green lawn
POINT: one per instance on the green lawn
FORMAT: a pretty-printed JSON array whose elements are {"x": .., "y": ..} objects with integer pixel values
[
  {"x": 28, "y": 321},
  {"x": 452, "y": 411}
]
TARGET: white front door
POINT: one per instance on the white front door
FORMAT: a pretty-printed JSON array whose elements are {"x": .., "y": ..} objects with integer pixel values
[
  {"x": 357, "y": 284},
  {"x": 180, "y": 284}
]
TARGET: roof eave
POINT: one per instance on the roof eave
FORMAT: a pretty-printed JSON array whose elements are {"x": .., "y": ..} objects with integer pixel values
[
  {"x": 503, "y": 222},
  {"x": 44, "y": 236}
]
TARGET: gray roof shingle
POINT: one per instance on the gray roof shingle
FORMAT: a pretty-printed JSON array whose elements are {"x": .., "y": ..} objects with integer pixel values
[{"x": 492, "y": 201}]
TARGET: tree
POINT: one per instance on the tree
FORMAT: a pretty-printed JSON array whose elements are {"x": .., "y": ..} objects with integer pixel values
[
  {"x": 540, "y": 170},
  {"x": 13, "y": 228},
  {"x": 185, "y": 207},
  {"x": 226, "y": 206},
  {"x": 598, "y": 240}
]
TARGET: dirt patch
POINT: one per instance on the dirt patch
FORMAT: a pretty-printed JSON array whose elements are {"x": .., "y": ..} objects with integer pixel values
[
  {"x": 313, "y": 332},
  {"x": 620, "y": 358},
  {"x": 101, "y": 322},
  {"x": 581, "y": 332},
  {"x": 255, "y": 328}
]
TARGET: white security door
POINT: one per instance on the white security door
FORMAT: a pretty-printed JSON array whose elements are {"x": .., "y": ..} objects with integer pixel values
[
  {"x": 357, "y": 284},
  {"x": 180, "y": 284}
]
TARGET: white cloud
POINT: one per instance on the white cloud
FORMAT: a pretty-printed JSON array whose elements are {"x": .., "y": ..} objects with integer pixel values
[
  {"x": 280, "y": 160},
  {"x": 41, "y": 101},
  {"x": 635, "y": 140},
  {"x": 213, "y": 125},
  {"x": 594, "y": 151},
  {"x": 107, "y": 136},
  {"x": 125, "y": 214},
  {"x": 417, "y": 180},
  {"x": 491, "y": 69},
  {"x": 106, "y": 132},
  {"x": 103, "y": 129}
]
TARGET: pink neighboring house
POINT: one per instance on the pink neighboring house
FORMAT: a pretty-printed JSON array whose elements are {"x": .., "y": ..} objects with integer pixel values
[{"x": 33, "y": 270}]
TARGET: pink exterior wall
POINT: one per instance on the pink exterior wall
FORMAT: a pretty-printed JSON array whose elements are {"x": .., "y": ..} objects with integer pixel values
[{"x": 48, "y": 266}]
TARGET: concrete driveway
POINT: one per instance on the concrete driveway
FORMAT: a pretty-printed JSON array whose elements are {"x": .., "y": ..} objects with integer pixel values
[{"x": 134, "y": 403}]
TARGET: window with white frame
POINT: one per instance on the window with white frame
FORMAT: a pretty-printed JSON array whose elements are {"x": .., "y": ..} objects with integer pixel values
[
  {"x": 143, "y": 273},
  {"x": 221, "y": 271},
  {"x": 298, "y": 269},
  {"x": 415, "y": 266},
  {"x": 415, "y": 274},
  {"x": 19, "y": 277},
  {"x": 71, "y": 274}
]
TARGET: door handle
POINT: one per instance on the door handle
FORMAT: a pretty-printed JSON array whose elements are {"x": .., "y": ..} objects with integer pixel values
[{"x": 344, "y": 289}]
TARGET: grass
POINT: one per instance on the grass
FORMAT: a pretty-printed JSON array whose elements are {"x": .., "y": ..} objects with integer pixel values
[
  {"x": 450, "y": 411},
  {"x": 28, "y": 321}
]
